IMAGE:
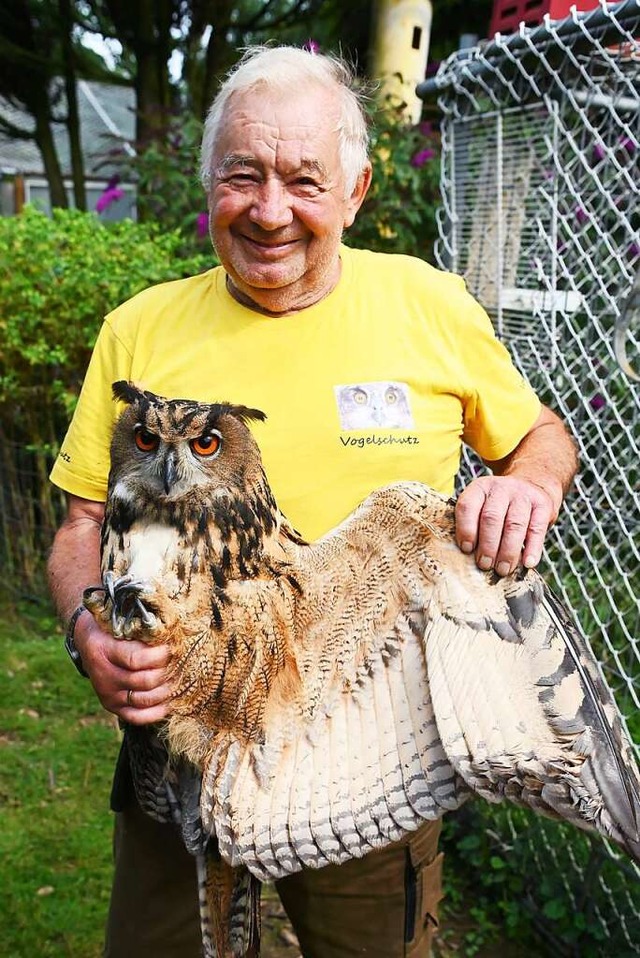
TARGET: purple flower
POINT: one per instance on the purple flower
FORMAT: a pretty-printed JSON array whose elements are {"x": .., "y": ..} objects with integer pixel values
[
  {"x": 581, "y": 215},
  {"x": 311, "y": 46},
  {"x": 634, "y": 250},
  {"x": 599, "y": 152},
  {"x": 597, "y": 402},
  {"x": 627, "y": 144},
  {"x": 202, "y": 225},
  {"x": 109, "y": 196},
  {"x": 422, "y": 157}
]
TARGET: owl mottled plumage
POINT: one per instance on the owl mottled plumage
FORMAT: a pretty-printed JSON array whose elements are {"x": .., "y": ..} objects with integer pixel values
[{"x": 329, "y": 697}]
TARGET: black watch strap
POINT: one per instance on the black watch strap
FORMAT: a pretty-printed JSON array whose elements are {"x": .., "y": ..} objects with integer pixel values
[{"x": 69, "y": 643}]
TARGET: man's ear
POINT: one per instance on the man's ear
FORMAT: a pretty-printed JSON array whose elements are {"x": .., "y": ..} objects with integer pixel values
[{"x": 356, "y": 199}]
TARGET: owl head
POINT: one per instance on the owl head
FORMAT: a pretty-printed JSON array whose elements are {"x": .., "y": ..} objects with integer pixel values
[{"x": 171, "y": 450}]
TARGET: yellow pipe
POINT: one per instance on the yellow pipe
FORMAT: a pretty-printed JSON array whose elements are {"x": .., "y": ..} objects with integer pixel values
[{"x": 402, "y": 29}]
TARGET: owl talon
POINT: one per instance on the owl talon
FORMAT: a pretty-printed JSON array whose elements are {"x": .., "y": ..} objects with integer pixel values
[
  {"x": 135, "y": 618},
  {"x": 121, "y": 603}
]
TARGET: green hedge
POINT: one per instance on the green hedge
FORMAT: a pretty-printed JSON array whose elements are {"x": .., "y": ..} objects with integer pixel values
[{"x": 58, "y": 278}]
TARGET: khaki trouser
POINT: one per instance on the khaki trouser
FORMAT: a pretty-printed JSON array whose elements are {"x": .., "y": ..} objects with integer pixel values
[{"x": 381, "y": 906}]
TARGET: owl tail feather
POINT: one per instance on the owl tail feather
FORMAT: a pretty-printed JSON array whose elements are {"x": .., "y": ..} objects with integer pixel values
[{"x": 229, "y": 908}]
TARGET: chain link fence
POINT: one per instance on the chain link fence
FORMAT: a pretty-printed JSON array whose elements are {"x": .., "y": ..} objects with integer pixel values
[{"x": 541, "y": 185}]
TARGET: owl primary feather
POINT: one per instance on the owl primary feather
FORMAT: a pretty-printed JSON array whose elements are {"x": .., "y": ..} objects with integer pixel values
[{"x": 330, "y": 696}]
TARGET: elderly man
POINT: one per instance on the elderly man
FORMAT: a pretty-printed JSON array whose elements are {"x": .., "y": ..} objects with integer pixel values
[{"x": 371, "y": 368}]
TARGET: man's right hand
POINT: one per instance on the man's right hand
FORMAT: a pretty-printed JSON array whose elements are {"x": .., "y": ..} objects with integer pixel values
[{"x": 129, "y": 676}]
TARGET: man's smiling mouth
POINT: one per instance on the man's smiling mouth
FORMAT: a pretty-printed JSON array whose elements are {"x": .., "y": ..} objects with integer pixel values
[{"x": 270, "y": 246}]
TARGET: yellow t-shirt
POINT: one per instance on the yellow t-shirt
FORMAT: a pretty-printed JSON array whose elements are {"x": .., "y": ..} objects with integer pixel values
[{"x": 380, "y": 381}]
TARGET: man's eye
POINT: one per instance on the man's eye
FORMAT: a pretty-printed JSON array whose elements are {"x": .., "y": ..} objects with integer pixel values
[
  {"x": 306, "y": 185},
  {"x": 242, "y": 178}
]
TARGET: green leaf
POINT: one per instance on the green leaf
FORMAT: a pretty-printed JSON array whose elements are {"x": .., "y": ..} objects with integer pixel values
[{"x": 554, "y": 909}]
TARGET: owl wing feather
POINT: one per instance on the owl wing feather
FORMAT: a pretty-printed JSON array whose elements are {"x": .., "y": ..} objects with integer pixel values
[{"x": 419, "y": 680}]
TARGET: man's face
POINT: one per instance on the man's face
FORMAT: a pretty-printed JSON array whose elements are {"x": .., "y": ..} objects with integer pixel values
[{"x": 277, "y": 202}]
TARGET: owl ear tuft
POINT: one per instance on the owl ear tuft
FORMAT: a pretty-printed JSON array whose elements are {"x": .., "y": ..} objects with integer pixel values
[
  {"x": 244, "y": 413},
  {"x": 129, "y": 393},
  {"x": 126, "y": 392}
]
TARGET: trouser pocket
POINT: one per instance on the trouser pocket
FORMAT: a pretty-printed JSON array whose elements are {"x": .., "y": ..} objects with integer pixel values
[{"x": 423, "y": 892}]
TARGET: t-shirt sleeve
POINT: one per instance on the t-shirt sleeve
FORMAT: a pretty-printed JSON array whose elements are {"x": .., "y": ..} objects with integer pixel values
[
  {"x": 82, "y": 466},
  {"x": 500, "y": 406}
]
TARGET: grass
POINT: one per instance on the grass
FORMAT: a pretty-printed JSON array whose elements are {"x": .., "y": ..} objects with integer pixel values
[{"x": 57, "y": 750}]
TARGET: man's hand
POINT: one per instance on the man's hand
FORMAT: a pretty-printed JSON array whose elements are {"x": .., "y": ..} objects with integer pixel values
[
  {"x": 503, "y": 520},
  {"x": 128, "y": 676}
]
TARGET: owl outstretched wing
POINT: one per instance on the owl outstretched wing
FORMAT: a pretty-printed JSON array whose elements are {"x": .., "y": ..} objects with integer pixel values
[
  {"x": 408, "y": 681},
  {"x": 334, "y": 695}
]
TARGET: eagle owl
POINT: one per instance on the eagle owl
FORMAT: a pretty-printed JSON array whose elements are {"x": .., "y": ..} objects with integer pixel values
[{"x": 330, "y": 696}]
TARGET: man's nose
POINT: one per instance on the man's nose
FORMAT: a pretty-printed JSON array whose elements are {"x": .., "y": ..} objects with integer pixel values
[{"x": 271, "y": 207}]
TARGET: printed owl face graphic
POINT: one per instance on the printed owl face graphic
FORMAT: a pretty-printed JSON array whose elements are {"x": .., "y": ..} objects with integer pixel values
[{"x": 384, "y": 405}]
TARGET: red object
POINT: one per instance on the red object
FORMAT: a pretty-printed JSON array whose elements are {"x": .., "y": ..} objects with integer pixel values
[{"x": 508, "y": 14}]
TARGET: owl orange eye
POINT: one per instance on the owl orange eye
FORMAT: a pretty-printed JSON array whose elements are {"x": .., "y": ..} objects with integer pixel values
[
  {"x": 207, "y": 445},
  {"x": 145, "y": 441}
]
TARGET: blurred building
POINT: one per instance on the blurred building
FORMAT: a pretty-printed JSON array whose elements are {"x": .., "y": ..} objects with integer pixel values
[{"x": 107, "y": 129}]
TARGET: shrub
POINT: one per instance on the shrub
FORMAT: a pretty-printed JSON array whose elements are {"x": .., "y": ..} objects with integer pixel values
[
  {"x": 169, "y": 187},
  {"x": 399, "y": 213},
  {"x": 539, "y": 881},
  {"x": 59, "y": 276}
]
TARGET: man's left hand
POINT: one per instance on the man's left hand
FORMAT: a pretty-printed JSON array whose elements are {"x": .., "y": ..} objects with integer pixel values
[{"x": 503, "y": 520}]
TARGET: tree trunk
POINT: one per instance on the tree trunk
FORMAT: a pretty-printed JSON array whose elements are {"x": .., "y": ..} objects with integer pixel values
[
  {"x": 73, "y": 120},
  {"x": 201, "y": 72},
  {"x": 152, "y": 46},
  {"x": 218, "y": 60},
  {"x": 47, "y": 147}
]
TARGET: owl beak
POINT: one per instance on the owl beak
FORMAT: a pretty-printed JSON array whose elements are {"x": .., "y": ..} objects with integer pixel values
[{"x": 170, "y": 472}]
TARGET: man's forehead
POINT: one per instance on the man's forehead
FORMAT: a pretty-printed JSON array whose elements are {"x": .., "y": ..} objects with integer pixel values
[
  {"x": 247, "y": 139},
  {"x": 272, "y": 116}
]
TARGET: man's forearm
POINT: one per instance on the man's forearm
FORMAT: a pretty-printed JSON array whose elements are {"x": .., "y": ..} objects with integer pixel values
[
  {"x": 546, "y": 457},
  {"x": 74, "y": 563}
]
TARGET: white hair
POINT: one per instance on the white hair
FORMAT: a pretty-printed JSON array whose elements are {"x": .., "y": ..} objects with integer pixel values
[{"x": 290, "y": 69}]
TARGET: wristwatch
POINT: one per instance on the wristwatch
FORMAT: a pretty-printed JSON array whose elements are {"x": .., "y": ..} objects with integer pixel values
[{"x": 69, "y": 643}]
